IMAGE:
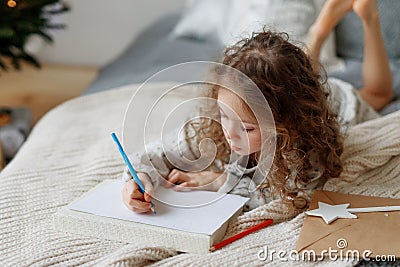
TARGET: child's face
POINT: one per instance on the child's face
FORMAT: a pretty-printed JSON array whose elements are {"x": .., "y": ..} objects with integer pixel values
[{"x": 241, "y": 129}]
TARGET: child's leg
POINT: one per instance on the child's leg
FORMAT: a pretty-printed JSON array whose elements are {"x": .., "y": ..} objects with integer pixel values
[
  {"x": 331, "y": 13},
  {"x": 378, "y": 88}
]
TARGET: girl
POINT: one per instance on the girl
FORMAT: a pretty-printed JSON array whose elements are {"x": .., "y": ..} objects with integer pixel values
[{"x": 310, "y": 117}]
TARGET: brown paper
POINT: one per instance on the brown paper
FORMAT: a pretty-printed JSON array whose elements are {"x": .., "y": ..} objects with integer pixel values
[{"x": 377, "y": 232}]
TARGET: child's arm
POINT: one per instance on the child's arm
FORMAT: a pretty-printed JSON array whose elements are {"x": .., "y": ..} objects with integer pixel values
[
  {"x": 154, "y": 168},
  {"x": 152, "y": 159}
]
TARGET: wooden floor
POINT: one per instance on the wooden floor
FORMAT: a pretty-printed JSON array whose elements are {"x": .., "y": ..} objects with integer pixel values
[
  {"x": 42, "y": 89},
  {"x": 45, "y": 88}
]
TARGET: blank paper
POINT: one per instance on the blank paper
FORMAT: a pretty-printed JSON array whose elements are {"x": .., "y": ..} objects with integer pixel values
[{"x": 201, "y": 212}]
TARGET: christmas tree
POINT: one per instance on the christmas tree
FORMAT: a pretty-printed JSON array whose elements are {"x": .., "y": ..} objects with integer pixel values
[{"x": 19, "y": 20}]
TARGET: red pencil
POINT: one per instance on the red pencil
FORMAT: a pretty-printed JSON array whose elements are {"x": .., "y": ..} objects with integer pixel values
[{"x": 240, "y": 235}]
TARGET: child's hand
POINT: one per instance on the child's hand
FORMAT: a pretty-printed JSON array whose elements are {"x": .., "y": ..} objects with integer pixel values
[
  {"x": 205, "y": 180},
  {"x": 132, "y": 197}
]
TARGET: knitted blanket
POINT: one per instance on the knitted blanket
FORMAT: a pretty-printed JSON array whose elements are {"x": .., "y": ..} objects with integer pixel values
[{"x": 70, "y": 151}]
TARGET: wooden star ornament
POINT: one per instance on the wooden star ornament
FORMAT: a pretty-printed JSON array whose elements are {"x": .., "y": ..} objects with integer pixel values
[{"x": 332, "y": 212}]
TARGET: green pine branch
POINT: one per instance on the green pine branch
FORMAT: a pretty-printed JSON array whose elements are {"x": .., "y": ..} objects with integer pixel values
[{"x": 18, "y": 23}]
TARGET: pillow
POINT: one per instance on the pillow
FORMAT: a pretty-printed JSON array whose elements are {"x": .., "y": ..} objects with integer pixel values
[
  {"x": 202, "y": 20},
  {"x": 292, "y": 16},
  {"x": 243, "y": 18},
  {"x": 228, "y": 21}
]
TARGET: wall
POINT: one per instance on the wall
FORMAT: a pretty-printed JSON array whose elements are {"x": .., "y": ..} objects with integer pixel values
[{"x": 99, "y": 30}]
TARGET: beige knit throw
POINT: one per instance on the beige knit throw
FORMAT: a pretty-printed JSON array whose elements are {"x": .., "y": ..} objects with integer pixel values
[
  {"x": 70, "y": 151},
  {"x": 371, "y": 167}
]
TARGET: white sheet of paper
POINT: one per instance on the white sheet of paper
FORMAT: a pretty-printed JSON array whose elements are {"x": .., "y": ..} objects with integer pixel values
[{"x": 203, "y": 219}]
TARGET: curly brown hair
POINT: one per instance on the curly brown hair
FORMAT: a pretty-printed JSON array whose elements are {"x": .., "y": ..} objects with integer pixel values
[{"x": 304, "y": 121}]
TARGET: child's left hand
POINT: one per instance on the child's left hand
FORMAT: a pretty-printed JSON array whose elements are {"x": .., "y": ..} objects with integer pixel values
[{"x": 206, "y": 180}]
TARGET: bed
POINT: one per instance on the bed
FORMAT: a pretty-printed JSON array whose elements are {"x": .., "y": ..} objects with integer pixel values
[
  {"x": 68, "y": 154},
  {"x": 70, "y": 151}
]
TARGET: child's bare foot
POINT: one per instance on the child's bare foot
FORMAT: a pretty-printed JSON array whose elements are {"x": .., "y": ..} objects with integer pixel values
[
  {"x": 331, "y": 13},
  {"x": 365, "y": 9}
]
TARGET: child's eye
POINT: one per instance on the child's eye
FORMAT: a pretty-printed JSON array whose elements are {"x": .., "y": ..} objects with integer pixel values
[{"x": 247, "y": 129}]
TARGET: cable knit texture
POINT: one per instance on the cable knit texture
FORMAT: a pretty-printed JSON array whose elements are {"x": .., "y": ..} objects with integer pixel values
[{"x": 70, "y": 151}]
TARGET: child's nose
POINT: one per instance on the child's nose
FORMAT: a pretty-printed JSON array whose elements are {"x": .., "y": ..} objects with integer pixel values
[{"x": 233, "y": 132}]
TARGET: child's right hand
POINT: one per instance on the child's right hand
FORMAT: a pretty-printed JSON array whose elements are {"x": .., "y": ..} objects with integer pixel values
[{"x": 133, "y": 198}]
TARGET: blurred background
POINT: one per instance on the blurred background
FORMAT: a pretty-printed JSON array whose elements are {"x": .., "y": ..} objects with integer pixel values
[
  {"x": 85, "y": 47},
  {"x": 94, "y": 33},
  {"x": 97, "y": 31}
]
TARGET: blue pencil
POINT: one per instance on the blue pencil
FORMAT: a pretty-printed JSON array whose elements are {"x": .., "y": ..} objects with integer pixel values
[{"x": 131, "y": 169}]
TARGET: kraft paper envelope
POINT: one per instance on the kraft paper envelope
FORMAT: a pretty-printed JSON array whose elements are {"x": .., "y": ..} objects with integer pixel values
[{"x": 378, "y": 232}]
